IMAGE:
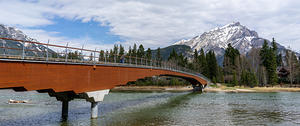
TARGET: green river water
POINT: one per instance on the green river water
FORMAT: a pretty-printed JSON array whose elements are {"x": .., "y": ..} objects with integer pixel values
[{"x": 156, "y": 109}]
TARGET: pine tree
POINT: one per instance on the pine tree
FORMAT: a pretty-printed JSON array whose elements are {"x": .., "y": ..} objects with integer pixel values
[
  {"x": 141, "y": 54},
  {"x": 274, "y": 45},
  {"x": 148, "y": 55},
  {"x": 115, "y": 53},
  {"x": 181, "y": 60},
  {"x": 121, "y": 50},
  {"x": 264, "y": 54},
  {"x": 74, "y": 55},
  {"x": 273, "y": 64},
  {"x": 212, "y": 64},
  {"x": 134, "y": 50},
  {"x": 141, "y": 51},
  {"x": 268, "y": 58},
  {"x": 101, "y": 55},
  {"x": 111, "y": 56},
  {"x": 279, "y": 60},
  {"x": 220, "y": 75},
  {"x": 231, "y": 63},
  {"x": 234, "y": 81},
  {"x": 173, "y": 55},
  {"x": 252, "y": 80},
  {"x": 203, "y": 63},
  {"x": 244, "y": 79},
  {"x": 232, "y": 54},
  {"x": 195, "y": 60},
  {"x": 158, "y": 57}
]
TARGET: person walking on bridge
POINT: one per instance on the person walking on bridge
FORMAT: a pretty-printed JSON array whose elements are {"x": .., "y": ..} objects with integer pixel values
[{"x": 122, "y": 58}]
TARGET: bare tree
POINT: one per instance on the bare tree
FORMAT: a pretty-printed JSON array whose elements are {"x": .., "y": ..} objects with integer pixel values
[{"x": 292, "y": 64}]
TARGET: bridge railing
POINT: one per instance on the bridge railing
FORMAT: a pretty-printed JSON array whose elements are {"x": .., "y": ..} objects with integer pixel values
[{"x": 30, "y": 50}]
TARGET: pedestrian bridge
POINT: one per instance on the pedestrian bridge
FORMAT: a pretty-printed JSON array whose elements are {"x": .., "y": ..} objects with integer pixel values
[{"x": 89, "y": 76}]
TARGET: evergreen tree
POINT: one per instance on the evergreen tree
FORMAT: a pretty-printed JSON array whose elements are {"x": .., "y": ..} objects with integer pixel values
[
  {"x": 158, "y": 57},
  {"x": 173, "y": 55},
  {"x": 74, "y": 55},
  {"x": 203, "y": 63},
  {"x": 141, "y": 51},
  {"x": 148, "y": 55},
  {"x": 232, "y": 54},
  {"x": 115, "y": 50},
  {"x": 234, "y": 81},
  {"x": 182, "y": 61},
  {"x": 264, "y": 53},
  {"x": 268, "y": 58},
  {"x": 273, "y": 64},
  {"x": 231, "y": 63},
  {"x": 101, "y": 55},
  {"x": 115, "y": 53},
  {"x": 121, "y": 50},
  {"x": 212, "y": 64},
  {"x": 244, "y": 79},
  {"x": 274, "y": 45},
  {"x": 134, "y": 50},
  {"x": 111, "y": 56},
  {"x": 195, "y": 60},
  {"x": 220, "y": 75},
  {"x": 279, "y": 60},
  {"x": 120, "y": 55},
  {"x": 141, "y": 54},
  {"x": 252, "y": 80},
  {"x": 129, "y": 51}
]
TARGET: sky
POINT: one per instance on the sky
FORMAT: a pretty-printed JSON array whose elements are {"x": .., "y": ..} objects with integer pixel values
[{"x": 99, "y": 24}]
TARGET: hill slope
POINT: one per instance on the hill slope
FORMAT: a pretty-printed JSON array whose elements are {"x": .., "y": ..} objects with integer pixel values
[
  {"x": 217, "y": 39},
  {"x": 13, "y": 33}
]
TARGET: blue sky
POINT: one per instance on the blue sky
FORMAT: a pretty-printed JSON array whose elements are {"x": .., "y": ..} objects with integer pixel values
[
  {"x": 155, "y": 23},
  {"x": 79, "y": 29}
]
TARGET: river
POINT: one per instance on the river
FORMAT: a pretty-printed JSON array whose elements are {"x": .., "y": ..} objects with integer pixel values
[{"x": 156, "y": 108}]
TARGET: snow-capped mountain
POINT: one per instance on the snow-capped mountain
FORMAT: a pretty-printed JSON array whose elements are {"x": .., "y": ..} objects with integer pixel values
[
  {"x": 217, "y": 39},
  {"x": 13, "y": 33}
]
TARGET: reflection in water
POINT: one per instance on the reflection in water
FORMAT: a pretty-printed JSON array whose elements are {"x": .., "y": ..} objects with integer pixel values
[
  {"x": 156, "y": 108},
  {"x": 157, "y": 114},
  {"x": 263, "y": 108}
]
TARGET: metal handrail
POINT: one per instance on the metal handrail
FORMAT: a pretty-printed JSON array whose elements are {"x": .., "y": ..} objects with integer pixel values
[{"x": 94, "y": 57}]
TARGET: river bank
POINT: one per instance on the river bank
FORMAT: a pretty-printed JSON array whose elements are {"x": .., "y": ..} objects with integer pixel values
[{"x": 219, "y": 88}]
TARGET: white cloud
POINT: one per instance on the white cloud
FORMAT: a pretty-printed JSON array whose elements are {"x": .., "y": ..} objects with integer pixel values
[
  {"x": 54, "y": 38},
  {"x": 161, "y": 22}
]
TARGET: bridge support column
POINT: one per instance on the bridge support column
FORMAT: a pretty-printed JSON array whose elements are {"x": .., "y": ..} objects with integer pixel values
[
  {"x": 64, "y": 97},
  {"x": 94, "y": 110},
  {"x": 95, "y": 97},
  {"x": 197, "y": 88},
  {"x": 65, "y": 109}
]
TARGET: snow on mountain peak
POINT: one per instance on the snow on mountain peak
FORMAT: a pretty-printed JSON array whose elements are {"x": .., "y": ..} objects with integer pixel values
[
  {"x": 14, "y": 33},
  {"x": 217, "y": 39}
]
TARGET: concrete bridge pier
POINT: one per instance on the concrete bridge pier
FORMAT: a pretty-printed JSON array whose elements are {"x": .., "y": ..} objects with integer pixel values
[
  {"x": 198, "y": 87},
  {"x": 95, "y": 97},
  {"x": 94, "y": 110}
]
